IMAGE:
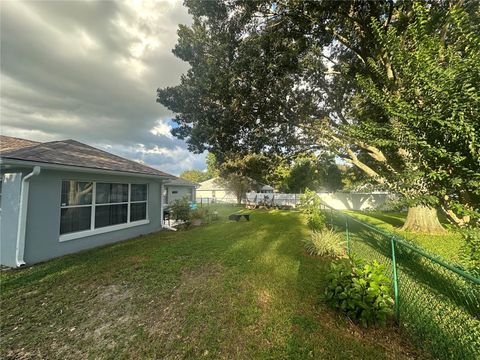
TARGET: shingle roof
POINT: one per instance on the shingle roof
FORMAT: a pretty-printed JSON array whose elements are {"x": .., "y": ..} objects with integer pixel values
[
  {"x": 74, "y": 153},
  {"x": 180, "y": 182},
  {"x": 8, "y": 143}
]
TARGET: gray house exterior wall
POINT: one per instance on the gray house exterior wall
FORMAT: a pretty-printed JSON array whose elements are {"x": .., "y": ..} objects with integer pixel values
[{"x": 43, "y": 217}]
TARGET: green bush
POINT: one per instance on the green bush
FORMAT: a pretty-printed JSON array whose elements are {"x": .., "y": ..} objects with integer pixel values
[
  {"x": 470, "y": 252},
  {"x": 325, "y": 243},
  {"x": 197, "y": 214},
  {"x": 360, "y": 290},
  {"x": 181, "y": 209},
  {"x": 310, "y": 205},
  {"x": 316, "y": 221}
]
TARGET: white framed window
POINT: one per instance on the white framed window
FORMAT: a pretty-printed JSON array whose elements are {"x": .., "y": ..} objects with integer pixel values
[
  {"x": 138, "y": 202},
  {"x": 94, "y": 207}
]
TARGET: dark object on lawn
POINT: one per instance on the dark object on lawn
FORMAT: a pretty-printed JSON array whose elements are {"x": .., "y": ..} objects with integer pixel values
[{"x": 237, "y": 217}]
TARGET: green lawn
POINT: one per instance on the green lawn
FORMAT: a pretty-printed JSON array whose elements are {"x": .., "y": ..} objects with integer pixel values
[
  {"x": 448, "y": 246},
  {"x": 228, "y": 290}
]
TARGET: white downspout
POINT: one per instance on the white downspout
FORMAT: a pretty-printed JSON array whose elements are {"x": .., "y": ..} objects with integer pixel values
[{"x": 22, "y": 217}]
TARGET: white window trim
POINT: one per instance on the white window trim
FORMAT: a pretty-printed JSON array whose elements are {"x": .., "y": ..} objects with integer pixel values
[
  {"x": 105, "y": 229},
  {"x": 102, "y": 230}
]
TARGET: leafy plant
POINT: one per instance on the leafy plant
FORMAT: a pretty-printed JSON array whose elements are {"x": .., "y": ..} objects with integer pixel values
[
  {"x": 181, "y": 209},
  {"x": 197, "y": 214},
  {"x": 310, "y": 205},
  {"x": 360, "y": 290},
  {"x": 316, "y": 221},
  {"x": 470, "y": 252},
  {"x": 325, "y": 243}
]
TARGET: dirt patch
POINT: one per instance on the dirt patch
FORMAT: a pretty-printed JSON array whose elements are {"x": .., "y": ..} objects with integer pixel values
[
  {"x": 113, "y": 293},
  {"x": 167, "y": 322},
  {"x": 111, "y": 315},
  {"x": 264, "y": 298},
  {"x": 21, "y": 354}
]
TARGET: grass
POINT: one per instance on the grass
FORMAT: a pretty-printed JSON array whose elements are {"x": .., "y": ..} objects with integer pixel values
[
  {"x": 245, "y": 290},
  {"x": 448, "y": 246}
]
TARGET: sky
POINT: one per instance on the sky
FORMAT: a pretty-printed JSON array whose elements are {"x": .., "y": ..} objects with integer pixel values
[{"x": 89, "y": 70}]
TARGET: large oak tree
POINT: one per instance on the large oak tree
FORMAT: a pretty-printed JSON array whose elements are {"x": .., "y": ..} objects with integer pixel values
[{"x": 389, "y": 86}]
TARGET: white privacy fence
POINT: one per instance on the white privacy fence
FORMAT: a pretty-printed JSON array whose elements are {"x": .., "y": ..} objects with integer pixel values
[{"x": 338, "y": 200}]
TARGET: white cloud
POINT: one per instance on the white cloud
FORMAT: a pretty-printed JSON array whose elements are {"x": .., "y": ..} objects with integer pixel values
[
  {"x": 89, "y": 70},
  {"x": 162, "y": 128}
]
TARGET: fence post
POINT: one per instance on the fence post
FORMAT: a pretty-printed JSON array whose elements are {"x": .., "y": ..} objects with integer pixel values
[
  {"x": 348, "y": 237},
  {"x": 395, "y": 279}
]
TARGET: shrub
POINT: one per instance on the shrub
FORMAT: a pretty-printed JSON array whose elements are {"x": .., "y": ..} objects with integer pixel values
[
  {"x": 310, "y": 205},
  {"x": 197, "y": 214},
  {"x": 316, "y": 221},
  {"x": 360, "y": 290},
  {"x": 470, "y": 252},
  {"x": 325, "y": 243},
  {"x": 181, "y": 209}
]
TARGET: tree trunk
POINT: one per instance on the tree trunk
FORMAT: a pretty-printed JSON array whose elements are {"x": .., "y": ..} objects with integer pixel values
[{"x": 423, "y": 219}]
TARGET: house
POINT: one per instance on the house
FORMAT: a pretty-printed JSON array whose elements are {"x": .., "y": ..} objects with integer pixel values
[
  {"x": 177, "y": 189},
  {"x": 61, "y": 197},
  {"x": 213, "y": 189}
]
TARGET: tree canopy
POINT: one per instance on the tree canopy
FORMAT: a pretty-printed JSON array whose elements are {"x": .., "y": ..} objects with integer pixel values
[
  {"x": 391, "y": 87},
  {"x": 196, "y": 176}
]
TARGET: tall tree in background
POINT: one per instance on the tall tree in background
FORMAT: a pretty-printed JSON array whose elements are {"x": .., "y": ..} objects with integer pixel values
[
  {"x": 195, "y": 176},
  {"x": 283, "y": 76},
  {"x": 212, "y": 166},
  {"x": 241, "y": 174},
  {"x": 309, "y": 171}
]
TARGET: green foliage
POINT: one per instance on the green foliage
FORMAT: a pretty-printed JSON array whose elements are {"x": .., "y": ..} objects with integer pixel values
[
  {"x": 304, "y": 174},
  {"x": 310, "y": 206},
  {"x": 256, "y": 167},
  {"x": 433, "y": 106},
  {"x": 195, "y": 176},
  {"x": 325, "y": 242},
  {"x": 181, "y": 209},
  {"x": 310, "y": 202},
  {"x": 361, "y": 291},
  {"x": 470, "y": 257},
  {"x": 212, "y": 166},
  {"x": 316, "y": 221},
  {"x": 313, "y": 172},
  {"x": 198, "y": 214},
  {"x": 237, "y": 184},
  {"x": 398, "y": 83}
]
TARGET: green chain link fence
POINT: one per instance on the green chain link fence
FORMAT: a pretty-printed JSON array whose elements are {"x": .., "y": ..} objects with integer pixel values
[{"x": 436, "y": 303}]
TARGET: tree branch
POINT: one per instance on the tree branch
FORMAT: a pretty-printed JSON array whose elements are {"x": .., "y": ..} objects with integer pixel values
[{"x": 346, "y": 42}]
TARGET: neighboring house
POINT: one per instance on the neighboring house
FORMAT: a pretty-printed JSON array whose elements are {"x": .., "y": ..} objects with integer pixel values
[
  {"x": 177, "y": 189},
  {"x": 61, "y": 197},
  {"x": 213, "y": 189}
]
